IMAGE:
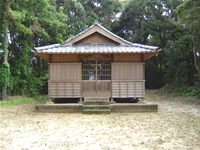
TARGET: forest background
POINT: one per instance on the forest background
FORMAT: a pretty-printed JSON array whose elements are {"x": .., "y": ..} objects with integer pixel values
[{"x": 173, "y": 25}]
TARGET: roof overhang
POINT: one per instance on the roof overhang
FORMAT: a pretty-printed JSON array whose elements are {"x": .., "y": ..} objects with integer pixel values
[
  {"x": 45, "y": 51},
  {"x": 96, "y": 48}
]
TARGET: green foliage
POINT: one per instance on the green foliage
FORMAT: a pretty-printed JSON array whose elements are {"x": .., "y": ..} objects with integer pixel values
[
  {"x": 83, "y": 13},
  {"x": 189, "y": 12},
  {"x": 179, "y": 66},
  {"x": 32, "y": 23},
  {"x": 197, "y": 86},
  {"x": 184, "y": 91},
  {"x": 174, "y": 90},
  {"x": 4, "y": 73}
]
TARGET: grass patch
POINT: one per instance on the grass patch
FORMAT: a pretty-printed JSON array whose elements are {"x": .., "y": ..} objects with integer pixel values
[
  {"x": 186, "y": 91},
  {"x": 182, "y": 136},
  {"x": 17, "y": 100},
  {"x": 180, "y": 94}
]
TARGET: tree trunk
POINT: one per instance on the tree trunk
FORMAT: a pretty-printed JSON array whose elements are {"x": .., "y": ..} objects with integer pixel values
[
  {"x": 194, "y": 47},
  {"x": 5, "y": 42},
  {"x": 4, "y": 92},
  {"x": 4, "y": 87}
]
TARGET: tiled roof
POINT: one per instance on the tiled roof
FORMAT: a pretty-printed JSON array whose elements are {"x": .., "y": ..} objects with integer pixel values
[{"x": 96, "y": 48}]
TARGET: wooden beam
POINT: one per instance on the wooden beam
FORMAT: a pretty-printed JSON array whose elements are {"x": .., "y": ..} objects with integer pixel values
[
  {"x": 142, "y": 57},
  {"x": 50, "y": 58},
  {"x": 96, "y": 57}
]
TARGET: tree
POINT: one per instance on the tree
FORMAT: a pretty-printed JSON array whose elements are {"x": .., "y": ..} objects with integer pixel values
[
  {"x": 155, "y": 22},
  {"x": 189, "y": 12},
  {"x": 32, "y": 24},
  {"x": 4, "y": 26},
  {"x": 105, "y": 9}
]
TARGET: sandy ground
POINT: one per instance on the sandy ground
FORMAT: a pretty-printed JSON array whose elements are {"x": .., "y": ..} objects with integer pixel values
[{"x": 175, "y": 127}]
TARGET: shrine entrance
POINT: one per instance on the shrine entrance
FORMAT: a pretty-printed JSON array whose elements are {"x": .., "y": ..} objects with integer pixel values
[{"x": 96, "y": 78}]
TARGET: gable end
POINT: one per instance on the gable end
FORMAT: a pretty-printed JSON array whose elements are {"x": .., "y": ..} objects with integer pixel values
[
  {"x": 96, "y": 38},
  {"x": 96, "y": 28}
]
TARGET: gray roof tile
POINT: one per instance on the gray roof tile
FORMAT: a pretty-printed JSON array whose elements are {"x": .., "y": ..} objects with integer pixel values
[{"x": 98, "y": 48}]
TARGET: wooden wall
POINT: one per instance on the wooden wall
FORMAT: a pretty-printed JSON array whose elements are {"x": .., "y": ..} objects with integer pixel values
[
  {"x": 64, "y": 80},
  {"x": 63, "y": 58},
  {"x": 99, "y": 88},
  {"x": 128, "y": 79},
  {"x": 127, "y": 71},
  {"x": 126, "y": 89},
  {"x": 95, "y": 38},
  {"x": 65, "y": 72},
  {"x": 128, "y": 57},
  {"x": 64, "y": 89}
]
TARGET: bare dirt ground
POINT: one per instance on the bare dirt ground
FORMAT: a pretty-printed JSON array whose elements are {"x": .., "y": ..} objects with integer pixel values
[{"x": 175, "y": 127}]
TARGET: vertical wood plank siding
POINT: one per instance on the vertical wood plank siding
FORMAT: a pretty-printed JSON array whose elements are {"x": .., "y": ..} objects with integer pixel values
[
  {"x": 65, "y": 72},
  {"x": 128, "y": 57},
  {"x": 128, "y": 71},
  {"x": 63, "y": 58},
  {"x": 95, "y": 38},
  {"x": 128, "y": 80},
  {"x": 64, "y": 80}
]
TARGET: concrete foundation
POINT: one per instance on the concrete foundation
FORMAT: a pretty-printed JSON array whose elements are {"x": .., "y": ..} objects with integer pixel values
[
  {"x": 114, "y": 108},
  {"x": 59, "y": 108},
  {"x": 133, "y": 108}
]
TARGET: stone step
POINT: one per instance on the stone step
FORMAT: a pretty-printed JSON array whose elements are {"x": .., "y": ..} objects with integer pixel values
[
  {"x": 96, "y": 107},
  {"x": 96, "y": 111},
  {"x": 92, "y": 99},
  {"x": 95, "y": 103}
]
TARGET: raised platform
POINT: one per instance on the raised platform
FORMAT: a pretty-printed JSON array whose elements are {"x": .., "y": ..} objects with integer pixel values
[
  {"x": 59, "y": 108},
  {"x": 133, "y": 107},
  {"x": 114, "y": 108}
]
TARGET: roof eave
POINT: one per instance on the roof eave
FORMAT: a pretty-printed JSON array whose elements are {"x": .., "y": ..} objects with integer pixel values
[{"x": 149, "y": 52}]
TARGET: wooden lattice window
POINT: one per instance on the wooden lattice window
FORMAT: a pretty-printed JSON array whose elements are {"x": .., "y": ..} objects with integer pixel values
[{"x": 96, "y": 70}]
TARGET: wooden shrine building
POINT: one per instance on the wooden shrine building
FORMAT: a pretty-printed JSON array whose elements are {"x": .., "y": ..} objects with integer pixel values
[{"x": 96, "y": 63}]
